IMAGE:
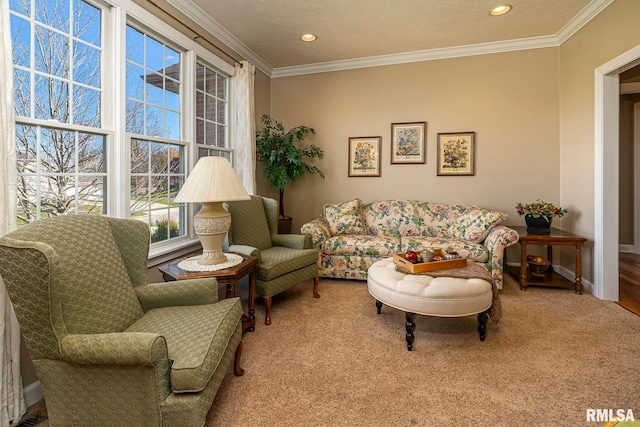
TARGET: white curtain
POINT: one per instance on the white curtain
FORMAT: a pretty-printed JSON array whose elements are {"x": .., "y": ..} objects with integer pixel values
[
  {"x": 12, "y": 404},
  {"x": 244, "y": 136}
]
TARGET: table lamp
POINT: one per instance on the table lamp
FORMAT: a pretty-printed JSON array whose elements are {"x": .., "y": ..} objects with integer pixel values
[{"x": 211, "y": 182}]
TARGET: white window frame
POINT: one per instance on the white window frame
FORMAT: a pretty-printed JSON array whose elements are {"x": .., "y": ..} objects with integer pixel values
[{"x": 116, "y": 15}]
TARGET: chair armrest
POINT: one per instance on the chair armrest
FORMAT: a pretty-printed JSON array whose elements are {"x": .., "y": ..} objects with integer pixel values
[
  {"x": 318, "y": 231},
  {"x": 293, "y": 241},
  {"x": 498, "y": 239},
  {"x": 121, "y": 348},
  {"x": 245, "y": 250},
  {"x": 180, "y": 292}
]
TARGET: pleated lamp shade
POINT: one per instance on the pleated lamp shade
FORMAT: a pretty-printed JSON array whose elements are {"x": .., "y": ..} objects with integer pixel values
[{"x": 212, "y": 180}]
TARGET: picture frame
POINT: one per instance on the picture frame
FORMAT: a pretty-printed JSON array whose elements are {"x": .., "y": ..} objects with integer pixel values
[
  {"x": 456, "y": 153},
  {"x": 364, "y": 156},
  {"x": 408, "y": 143}
]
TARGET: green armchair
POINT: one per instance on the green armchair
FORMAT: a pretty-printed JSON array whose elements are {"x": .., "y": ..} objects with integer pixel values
[
  {"x": 110, "y": 349},
  {"x": 285, "y": 259}
]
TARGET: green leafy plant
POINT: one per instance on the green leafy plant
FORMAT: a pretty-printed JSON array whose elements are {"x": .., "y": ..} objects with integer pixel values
[
  {"x": 285, "y": 161},
  {"x": 165, "y": 230},
  {"x": 539, "y": 209}
]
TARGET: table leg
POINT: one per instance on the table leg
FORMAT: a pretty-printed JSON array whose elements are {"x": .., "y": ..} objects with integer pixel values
[
  {"x": 578, "y": 284},
  {"x": 523, "y": 266},
  {"x": 252, "y": 301}
]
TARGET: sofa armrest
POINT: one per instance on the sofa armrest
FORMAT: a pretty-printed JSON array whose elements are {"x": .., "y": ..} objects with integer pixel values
[
  {"x": 293, "y": 241},
  {"x": 180, "y": 292},
  {"x": 120, "y": 348},
  {"x": 498, "y": 239},
  {"x": 245, "y": 250},
  {"x": 318, "y": 231}
]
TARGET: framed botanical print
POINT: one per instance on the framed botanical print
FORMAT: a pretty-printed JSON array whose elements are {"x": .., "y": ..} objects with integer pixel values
[
  {"x": 364, "y": 156},
  {"x": 456, "y": 152},
  {"x": 408, "y": 142}
]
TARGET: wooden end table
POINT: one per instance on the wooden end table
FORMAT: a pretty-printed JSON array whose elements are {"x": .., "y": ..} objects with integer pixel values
[
  {"x": 228, "y": 277},
  {"x": 551, "y": 278}
]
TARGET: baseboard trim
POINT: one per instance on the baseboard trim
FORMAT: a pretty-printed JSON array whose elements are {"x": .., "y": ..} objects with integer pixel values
[
  {"x": 626, "y": 248},
  {"x": 32, "y": 393}
]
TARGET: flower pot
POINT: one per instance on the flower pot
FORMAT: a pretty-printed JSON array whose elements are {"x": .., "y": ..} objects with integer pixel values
[
  {"x": 284, "y": 226},
  {"x": 538, "y": 225}
]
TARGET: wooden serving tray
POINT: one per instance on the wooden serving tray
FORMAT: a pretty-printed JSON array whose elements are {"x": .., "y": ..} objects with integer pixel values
[{"x": 428, "y": 266}]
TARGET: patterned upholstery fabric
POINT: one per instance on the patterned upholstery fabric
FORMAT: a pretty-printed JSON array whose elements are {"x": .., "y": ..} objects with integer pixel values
[
  {"x": 394, "y": 226},
  {"x": 344, "y": 218},
  {"x": 249, "y": 212},
  {"x": 73, "y": 282},
  {"x": 285, "y": 261}
]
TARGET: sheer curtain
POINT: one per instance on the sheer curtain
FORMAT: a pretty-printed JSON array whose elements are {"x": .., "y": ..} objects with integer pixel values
[
  {"x": 12, "y": 404},
  {"x": 245, "y": 126}
]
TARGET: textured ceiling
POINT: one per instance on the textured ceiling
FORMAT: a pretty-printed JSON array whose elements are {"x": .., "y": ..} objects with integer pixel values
[{"x": 349, "y": 29}]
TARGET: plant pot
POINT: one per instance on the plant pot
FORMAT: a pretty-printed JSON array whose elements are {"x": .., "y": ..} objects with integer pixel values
[
  {"x": 284, "y": 226},
  {"x": 538, "y": 225}
]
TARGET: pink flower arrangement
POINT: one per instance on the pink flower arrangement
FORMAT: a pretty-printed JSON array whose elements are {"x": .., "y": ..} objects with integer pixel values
[{"x": 539, "y": 209}]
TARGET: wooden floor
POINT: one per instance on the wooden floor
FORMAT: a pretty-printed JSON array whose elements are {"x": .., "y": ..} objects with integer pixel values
[{"x": 630, "y": 282}]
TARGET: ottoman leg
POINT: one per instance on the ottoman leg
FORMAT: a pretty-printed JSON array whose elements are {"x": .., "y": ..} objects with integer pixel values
[
  {"x": 482, "y": 324},
  {"x": 379, "y": 306},
  {"x": 411, "y": 328}
]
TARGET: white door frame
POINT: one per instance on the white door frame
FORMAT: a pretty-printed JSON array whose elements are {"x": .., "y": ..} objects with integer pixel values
[{"x": 606, "y": 180}]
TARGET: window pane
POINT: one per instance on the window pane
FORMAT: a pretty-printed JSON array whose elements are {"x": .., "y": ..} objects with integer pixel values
[
  {"x": 20, "y": 6},
  {"x": 86, "y": 106},
  {"x": 172, "y": 125},
  {"x": 154, "y": 55},
  {"x": 211, "y": 82},
  {"x": 154, "y": 89},
  {"x": 22, "y": 94},
  {"x": 139, "y": 199},
  {"x": 86, "y": 65},
  {"x": 21, "y": 41},
  {"x": 54, "y": 13},
  {"x": 27, "y": 199},
  {"x": 200, "y": 70},
  {"x": 91, "y": 154},
  {"x": 26, "y": 149},
  {"x": 154, "y": 121},
  {"x": 86, "y": 22},
  {"x": 135, "y": 82},
  {"x": 57, "y": 151},
  {"x": 135, "y": 46},
  {"x": 221, "y": 112},
  {"x": 139, "y": 156},
  {"x": 222, "y": 87},
  {"x": 52, "y": 99},
  {"x": 172, "y": 95},
  {"x": 52, "y": 53},
  {"x": 135, "y": 117}
]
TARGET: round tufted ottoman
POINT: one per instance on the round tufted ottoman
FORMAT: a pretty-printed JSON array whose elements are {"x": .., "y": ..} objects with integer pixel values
[{"x": 423, "y": 294}]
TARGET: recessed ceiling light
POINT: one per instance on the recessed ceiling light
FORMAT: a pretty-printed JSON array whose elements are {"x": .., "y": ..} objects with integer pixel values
[
  {"x": 308, "y": 37},
  {"x": 500, "y": 10}
]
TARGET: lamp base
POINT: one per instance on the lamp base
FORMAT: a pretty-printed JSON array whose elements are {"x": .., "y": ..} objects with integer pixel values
[{"x": 211, "y": 224}]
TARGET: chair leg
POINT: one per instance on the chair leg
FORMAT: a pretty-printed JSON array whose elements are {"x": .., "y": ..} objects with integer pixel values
[
  {"x": 237, "y": 370},
  {"x": 316, "y": 282},
  {"x": 267, "y": 310}
]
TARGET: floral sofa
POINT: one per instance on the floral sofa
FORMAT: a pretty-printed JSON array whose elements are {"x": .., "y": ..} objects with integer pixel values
[{"x": 351, "y": 235}]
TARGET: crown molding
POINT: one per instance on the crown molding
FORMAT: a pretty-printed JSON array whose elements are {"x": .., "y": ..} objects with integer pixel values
[
  {"x": 589, "y": 12},
  {"x": 418, "y": 56},
  {"x": 197, "y": 15}
]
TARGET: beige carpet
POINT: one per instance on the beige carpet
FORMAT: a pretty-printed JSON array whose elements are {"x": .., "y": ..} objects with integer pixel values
[{"x": 334, "y": 362}]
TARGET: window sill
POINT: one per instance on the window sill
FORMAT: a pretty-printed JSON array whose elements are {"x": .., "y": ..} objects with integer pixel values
[{"x": 165, "y": 254}]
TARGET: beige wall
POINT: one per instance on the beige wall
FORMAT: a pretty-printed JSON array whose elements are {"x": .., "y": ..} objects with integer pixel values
[
  {"x": 510, "y": 100},
  {"x": 613, "y": 32}
]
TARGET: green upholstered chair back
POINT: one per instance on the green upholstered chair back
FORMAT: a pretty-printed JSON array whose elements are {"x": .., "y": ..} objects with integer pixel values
[
  {"x": 249, "y": 223},
  {"x": 70, "y": 275}
]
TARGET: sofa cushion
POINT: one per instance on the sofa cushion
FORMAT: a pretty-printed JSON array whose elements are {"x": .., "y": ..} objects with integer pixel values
[
  {"x": 196, "y": 351},
  {"x": 466, "y": 249},
  {"x": 391, "y": 218},
  {"x": 344, "y": 218},
  {"x": 377, "y": 246},
  {"x": 474, "y": 223}
]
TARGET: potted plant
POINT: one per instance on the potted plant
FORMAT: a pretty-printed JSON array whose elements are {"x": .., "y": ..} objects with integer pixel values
[
  {"x": 285, "y": 161},
  {"x": 539, "y": 214}
]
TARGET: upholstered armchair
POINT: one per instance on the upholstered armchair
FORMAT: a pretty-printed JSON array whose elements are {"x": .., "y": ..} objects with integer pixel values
[
  {"x": 108, "y": 348},
  {"x": 285, "y": 259}
]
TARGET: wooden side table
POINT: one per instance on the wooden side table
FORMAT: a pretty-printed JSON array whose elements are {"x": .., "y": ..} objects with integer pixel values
[
  {"x": 551, "y": 278},
  {"x": 228, "y": 277}
]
